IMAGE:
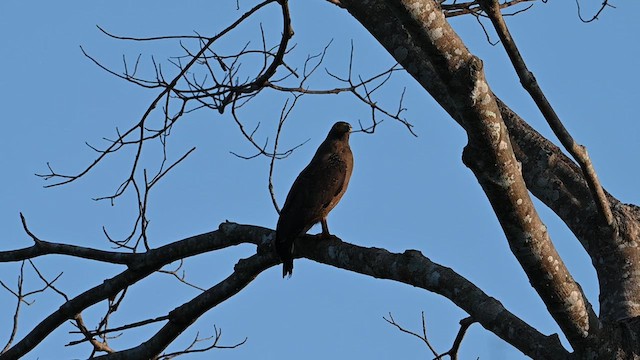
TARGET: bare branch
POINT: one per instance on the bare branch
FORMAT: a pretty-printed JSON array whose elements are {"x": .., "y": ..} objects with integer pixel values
[
  {"x": 191, "y": 348},
  {"x": 472, "y": 7},
  {"x": 183, "y": 316},
  {"x": 141, "y": 266},
  {"x": 181, "y": 278},
  {"x": 42, "y": 247},
  {"x": 169, "y": 89},
  {"x": 98, "y": 345},
  {"x": 579, "y": 152},
  {"x": 370, "y": 261},
  {"x": 453, "y": 352},
  {"x": 284, "y": 114},
  {"x": 90, "y": 334},
  {"x": 49, "y": 284},
  {"x": 423, "y": 337},
  {"x": 604, "y": 5},
  {"x": 16, "y": 314},
  {"x": 411, "y": 267}
]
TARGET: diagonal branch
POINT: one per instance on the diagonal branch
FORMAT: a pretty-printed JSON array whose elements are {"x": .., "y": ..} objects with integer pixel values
[
  {"x": 464, "y": 326},
  {"x": 413, "y": 268},
  {"x": 169, "y": 89},
  {"x": 16, "y": 314},
  {"x": 529, "y": 82},
  {"x": 548, "y": 173},
  {"x": 144, "y": 265},
  {"x": 455, "y": 78},
  {"x": 423, "y": 337},
  {"x": 183, "y": 316}
]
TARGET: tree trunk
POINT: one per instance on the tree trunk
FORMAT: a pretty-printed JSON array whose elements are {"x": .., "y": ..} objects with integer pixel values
[{"x": 509, "y": 158}]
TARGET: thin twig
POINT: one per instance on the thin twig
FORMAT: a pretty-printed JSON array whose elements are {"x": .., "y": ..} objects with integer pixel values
[
  {"x": 604, "y": 4},
  {"x": 89, "y": 334},
  {"x": 423, "y": 337},
  {"x": 191, "y": 348},
  {"x": 16, "y": 313},
  {"x": 453, "y": 352}
]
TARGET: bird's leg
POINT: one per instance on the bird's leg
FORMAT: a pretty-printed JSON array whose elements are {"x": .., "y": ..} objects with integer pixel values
[{"x": 325, "y": 228}]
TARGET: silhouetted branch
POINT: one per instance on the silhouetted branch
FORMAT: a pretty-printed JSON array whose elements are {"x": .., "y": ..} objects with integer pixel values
[
  {"x": 378, "y": 263},
  {"x": 182, "y": 277},
  {"x": 98, "y": 346},
  {"x": 42, "y": 247},
  {"x": 141, "y": 132},
  {"x": 21, "y": 297},
  {"x": 16, "y": 313},
  {"x": 605, "y": 4},
  {"x": 453, "y": 352},
  {"x": 423, "y": 337},
  {"x": 90, "y": 334},
  {"x": 191, "y": 348},
  {"x": 284, "y": 114}
]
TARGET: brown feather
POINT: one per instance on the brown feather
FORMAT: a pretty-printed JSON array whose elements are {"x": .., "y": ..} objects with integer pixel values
[{"x": 315, "y": 192}]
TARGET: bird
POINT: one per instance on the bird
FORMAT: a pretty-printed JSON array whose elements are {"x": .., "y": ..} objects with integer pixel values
[{"x": 315, "y": 192}]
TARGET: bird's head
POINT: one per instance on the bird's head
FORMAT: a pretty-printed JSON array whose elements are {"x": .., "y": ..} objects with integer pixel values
[{"x": 340, "y": 129}]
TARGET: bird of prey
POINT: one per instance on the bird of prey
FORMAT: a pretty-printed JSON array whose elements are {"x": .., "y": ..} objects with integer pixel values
[{"x": 315, "y": 192}]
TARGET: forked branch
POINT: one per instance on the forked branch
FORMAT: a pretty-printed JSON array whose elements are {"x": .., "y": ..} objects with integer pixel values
[
  {"x": 423, "y": 336},
  {"x": 378, "y": 263},
  {"x": 529, "y": 82},
  {"x": 453, "y": 352},
  {"x": 456, "y": 8}
]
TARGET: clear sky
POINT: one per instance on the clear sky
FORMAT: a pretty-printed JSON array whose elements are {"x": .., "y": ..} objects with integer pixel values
[{"x": 406, "y": 192}]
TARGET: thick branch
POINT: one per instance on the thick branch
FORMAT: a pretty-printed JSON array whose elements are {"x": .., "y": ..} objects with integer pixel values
[
  {"x": 489, "y": 153},
  {"x": 579, "y": 152},
  {"x": 413, "y": 268},
  {"x": 182, "y": 317},
  {"x": 555, "y": 179},
  {"x": 377, "y": 18},
  {"x": 144, "y": 265}
]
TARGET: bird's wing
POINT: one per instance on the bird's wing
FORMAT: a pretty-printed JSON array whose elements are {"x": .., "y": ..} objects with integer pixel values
[{"x": 313, "y": 194}]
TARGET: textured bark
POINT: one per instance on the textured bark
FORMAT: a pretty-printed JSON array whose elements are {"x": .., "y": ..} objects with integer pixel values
[
  {"x": 556, "y": 181},
  {"x": 617, "y": 263},
  {"x": 416, "y": 34},
  {"x": 410, "y": 267},
  {"x": 139, "y": 266},
  {"x": 183, "y": 316},
  {"x": 415, "y": 269},
  {"x": 508, "y": 158},
  {"x": 489, "y": 153}
]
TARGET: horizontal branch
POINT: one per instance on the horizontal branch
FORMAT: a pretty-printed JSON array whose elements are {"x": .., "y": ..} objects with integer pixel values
[
  {"x": 410, "y": 267},
  {"x": 42, "y": 247}
]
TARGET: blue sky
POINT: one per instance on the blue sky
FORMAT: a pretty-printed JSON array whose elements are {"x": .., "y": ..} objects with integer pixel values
[{"x": 406, "y": 192}]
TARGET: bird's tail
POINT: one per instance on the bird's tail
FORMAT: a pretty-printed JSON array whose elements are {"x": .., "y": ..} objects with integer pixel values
[
  {"x": 285, "y": 252},
  {"x": 287, "y": 267}
]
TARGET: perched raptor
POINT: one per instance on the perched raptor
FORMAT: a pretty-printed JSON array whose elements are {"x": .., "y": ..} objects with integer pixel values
[{"x": 315, "y": 192}]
